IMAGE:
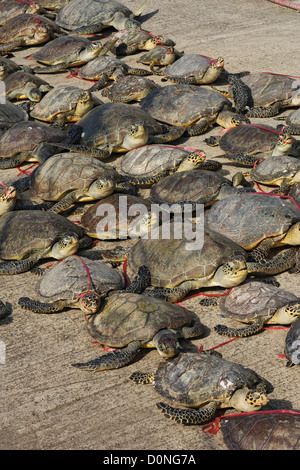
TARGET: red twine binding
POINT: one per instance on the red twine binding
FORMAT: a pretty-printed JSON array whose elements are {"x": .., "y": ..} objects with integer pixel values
[{"x": 5, "y": 190}]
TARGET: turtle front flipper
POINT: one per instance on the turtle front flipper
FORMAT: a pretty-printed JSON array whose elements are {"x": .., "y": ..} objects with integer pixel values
[
  {"x": 281, "y": 262},
  {"x": 112, "y": 360},
  {"x": 19, "y": 266},
  {"x": 172, "y": 294},
  {"x": 89, "y": 29},
  {"x": 188, "y": 416},
  {"x": 248, "y": 330},
  {"x": 240, "y": 92},
  {"x": 140, "y": 282},
  {"x": 10, "y": 46},
  {"x": 172, "y": 133},
  {"x": 264, "y": 111},
  {"x": 41, "y": 307},
  {"x": 51, "y": 68},
  {"x": 142, "y": 377},
  {"x": 66, "y": 202},
  {"x": 93, "y": 152},
  {"x": 6, "y": 163},
  {"x": 240, "y": 158}
]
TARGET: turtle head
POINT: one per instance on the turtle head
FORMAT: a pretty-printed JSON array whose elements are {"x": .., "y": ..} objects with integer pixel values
[
  {"x": 248, "y": 400},
  {"x": 65, "y": 246},
  {"x": 166, "y": 343},
  {"x": 194, "y": 160},
  {"x": 91, "y": 51},
  {"x": 141, "y": 227},
  {"x": 131, "y": 23},
  {"x": 89, "y": 302},
  {"x": 284, "y": 144},
  {"x": 232, "y": 273},
  {"x": 218, "y": 63},
  {"x": 84, "y": 103},
  {"x": 239, "y": 120},
  {"x": 3, "y": 71},
  {"x": 7, "y": 198},
  {"x": 102, "y": 187},
  {"x": 136, "y": 136},
  {"x": 292, "y": 236},
  {"x": 35, "y": 95},
  {"x": 41, "y": 33},
  {"x": 33, "y": 7},
  {"x": 296, "y": 98}
]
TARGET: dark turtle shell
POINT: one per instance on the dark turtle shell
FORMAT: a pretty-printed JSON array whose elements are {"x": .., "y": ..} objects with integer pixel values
[
  {"x": 109, "y": 123},
  {"x": 116, "y": 221},
  {"x": 272, "y": 430},
  {"x": 65, "y": 172},
  {"x": 252, "y": 299},
  {"x": 248, "y": 219},
  {"x": 171, "y": 263},
  {"x": 53, "y": 4},
  {"x": 26, "y": 136},
  {"x": 275, "y": 169},
  {"x": 25, "y": 25},
  {"x": 194, "y": 379},
  {"x": 192, "y": 186},
  {"x": 20, "y": 79},
  {"x": 249, "y": 138},
  {"x": 126, "y": 317},
  {"x": 94, "y": 69},
  {"x": 193, "y": 65},
  {"x": 182, "y": 105},
  {"x": 11, "y": 114},
  {"x": 150, "y": 160},
  {"x": 69, "y": 278},
  {"x": 59, "y": 49},
  {"x": 25, "y": 231},
  {"x": 292, "y": 344},
  {"x": 10, "y": 9},
  {"x": 267, "y": 88},
  {"x": 80, "y": 13}
]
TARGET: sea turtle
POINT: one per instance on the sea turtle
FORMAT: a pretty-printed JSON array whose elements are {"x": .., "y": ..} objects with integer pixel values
[
  {"x": 29, "y": 236},
  {"x": 257, "y": 222},
  {"x": 256, "y": 303},
  {"x": 131, "y": 40},
  {"x": 130, "y": 88},
  {"x": 292, "y": 122},
  {"x": 282, "y": 171},
  {"x": 64, "y": 104},
  {"x": 107, "y": 68},
  {"x": 11, "y": 8},
  {"x": 194, "y": 69},
  {"x": 118, "y": 127},
  {"x": 178, "y": 266},
  {"x": 268, "y": 93},
  {"x": 262, "y": 430},
  {"x": 194, "y": 187},
  {"x": 26, "y": 30},
  {"x": 118, "y": 217},
  {"x": 28, "y": 141},
  {"x": 129, "y": 321},
  {"x": 203, "y": 383},
  {"x": 22, "y": 85},
  {"x": 67, "y": 51},
  {"x": 150, "y": 162},
  {"x": 7, "y": 198},
  {"x": 10, "y": 114},
  {"x": 91, "y": 16},
  {"x": 5, "y": 310},
  {"x": 195, "y": 108},
  {"x": 74, "y": 282},
  {"x": 8, "y": 66},
  {"x": 292, "y": 344},
  {"x": 248, "y": 143},
  {"x": 67, "y": 178},
  {"x": 160, "y": 56}
]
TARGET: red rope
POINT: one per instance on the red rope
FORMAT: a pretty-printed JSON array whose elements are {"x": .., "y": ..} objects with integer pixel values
[
  {"x": 26, "y": 171},
  {"x": 284, "y": 3},
  {"x": 5, "y": 190}
]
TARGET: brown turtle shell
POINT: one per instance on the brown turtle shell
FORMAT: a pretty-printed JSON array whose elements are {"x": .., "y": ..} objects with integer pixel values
[
  {"x": 254, "y": 299},
  {"x": 25, "y": 231},
  {"x": 58, "y": 49},
  {"x": 113, "y": 219},
  {"x": 182, "y": 105},
  {"x": 248, "y": 219},
  {"x": 68, "y": 278},
  {"x": 249, "y": 139},
  {"x": 126, "y": 317},
  {"x": 65, "y": 172},
  {"x": 24, "y": 25},
  {"x": 194, "y": 379},
  {"x": 26, "y": 136},
  {"x": 171, "y": 263},
  {"x": 262, "y": 431}
]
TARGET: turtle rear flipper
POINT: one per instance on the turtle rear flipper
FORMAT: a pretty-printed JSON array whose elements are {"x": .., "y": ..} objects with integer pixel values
[
  {"x": 188, "y": 416},
  {"x": 19, "y": 266},
  {"x": 283, "y": 261},
  {"x": 112, "y": 360},
  {"x": 140, "y": 282}
]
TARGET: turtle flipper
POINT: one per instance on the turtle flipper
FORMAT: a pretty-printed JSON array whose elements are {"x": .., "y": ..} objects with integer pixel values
[
  {"x": 4, "y": 310},
  {"x": 140, "y": 282},
  {"x": 112, "y": 360},
  {"x": 65, "y": 203},
  {"x": 41, "y": 307},
  {"x": 142, "y": 377},
  {"x": 51, "y": 68},
  {"x": 89, "y": 29},
  {"x": 93, "y": 152},
  {"x": 281, "y": 262},
  {"x": 170, "y": 294},
  {"x": 264, "y": 112},
  {"x": 172, "y": 133},
  {"x": 248, "y": 330},
  {"x": 240, "y": 158},
  {"x": 240, "y": 92},
  {"x": 188, "y": 416},
  {"x": 6, "y": 163},
  {"x": 19, "y": 266},
  {"x": 101, "y": 82},
  {"x": 209, "y": 302}
]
